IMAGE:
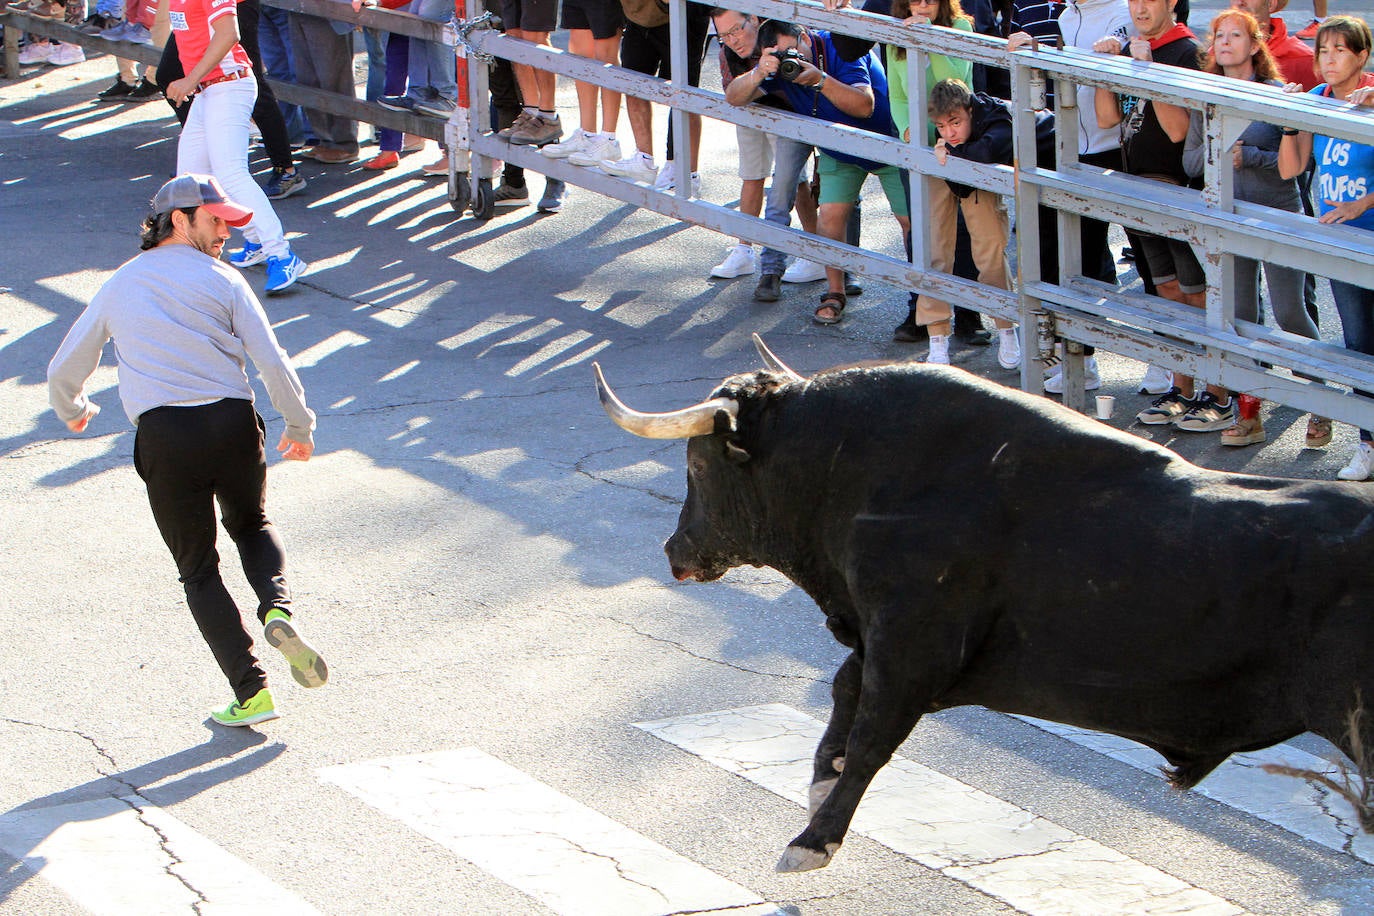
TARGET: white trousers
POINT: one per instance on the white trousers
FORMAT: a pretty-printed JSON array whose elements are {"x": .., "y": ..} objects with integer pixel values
[{"x": 215, "y": 142}]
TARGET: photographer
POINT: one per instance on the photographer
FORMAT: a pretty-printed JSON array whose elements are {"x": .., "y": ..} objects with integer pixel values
[{"x": 805, "y": 68}]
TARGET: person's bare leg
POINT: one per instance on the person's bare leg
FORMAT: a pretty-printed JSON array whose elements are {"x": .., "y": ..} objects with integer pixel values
[
  {"x": 641, "y": 115},
  {"x": 608, "y": 52},
  {"x": 581, "y": 43}
]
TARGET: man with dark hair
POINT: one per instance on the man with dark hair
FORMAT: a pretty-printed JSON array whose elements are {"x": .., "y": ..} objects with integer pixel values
[
  {"x": 852, "y": 93},
  {"x": 184, "y": 323},
  {"x": 759, "y": 152}
]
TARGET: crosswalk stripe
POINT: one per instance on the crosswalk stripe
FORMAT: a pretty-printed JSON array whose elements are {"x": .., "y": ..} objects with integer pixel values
[
  {"x": 1032, "y": 864},
  {"x": 572, "y": 859},
  {"x": 1312, "y": 812},
  {"x": 117, "y": 856}
]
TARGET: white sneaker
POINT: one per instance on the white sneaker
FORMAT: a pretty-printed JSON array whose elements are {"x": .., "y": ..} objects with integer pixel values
[
  {"x": 36, "y": 52},
  {"x": 65, "y": 54},
  {"x": 574, "y": 144},
  {"x": 803, "y": 271},
  {"x": 1092, "y": 379},
  {"x": 1361, "y": 464},
  {"x": 667, "y": 180},
  {"x": 1156, "y": 381},
  {"x": 1008, "y": 349},
  {"x": 599, "y": 147},
  {"x": 740, "y": 262},
  {"x": 637, "y": 166},
  {"x": 939, "y": 350},
  {"x": 666, "y": 177}
]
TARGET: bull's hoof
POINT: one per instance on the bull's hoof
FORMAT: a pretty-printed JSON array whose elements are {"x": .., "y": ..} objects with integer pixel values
[
  {"x": 818, "y": 793},
  {"x": 799, "y": 858}
]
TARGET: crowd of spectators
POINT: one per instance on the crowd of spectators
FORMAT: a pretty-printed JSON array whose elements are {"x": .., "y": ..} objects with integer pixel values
[{"x": 840, "y": 80}]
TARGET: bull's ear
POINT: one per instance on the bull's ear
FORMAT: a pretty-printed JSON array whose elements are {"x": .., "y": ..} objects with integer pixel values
[
  {"x": 734, "y": 454},
  {"x": 725, "y": 421}
]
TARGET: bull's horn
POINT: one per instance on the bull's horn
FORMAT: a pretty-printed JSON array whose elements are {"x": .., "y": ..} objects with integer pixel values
[
  {"x": 771, "y": 360},
  {"x": 698, "y": 420}
]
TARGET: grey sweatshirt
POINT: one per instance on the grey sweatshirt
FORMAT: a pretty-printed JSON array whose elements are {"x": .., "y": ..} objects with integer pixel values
[
  {"x": 183, "y": 325},
  {"x": 1257, "y": 180}
]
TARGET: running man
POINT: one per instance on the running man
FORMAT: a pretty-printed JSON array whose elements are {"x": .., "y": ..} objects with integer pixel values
[{"x": 183, "y": 323}]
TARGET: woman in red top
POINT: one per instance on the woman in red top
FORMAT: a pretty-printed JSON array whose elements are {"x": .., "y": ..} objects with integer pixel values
[{"x": 215, "y": 137}]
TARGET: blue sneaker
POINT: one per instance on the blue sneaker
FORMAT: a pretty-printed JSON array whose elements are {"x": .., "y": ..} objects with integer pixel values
[
  {"x": 282, "y": 273},
  {"x": 251, "y": 253}
]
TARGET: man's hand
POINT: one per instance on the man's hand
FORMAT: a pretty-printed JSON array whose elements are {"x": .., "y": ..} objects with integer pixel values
[
  {"x": 80, "y": 423},
  {"x": 941, "y": 151},
  {"x": 1108, "y": 45},
  {"x": 1140, "y": 49},
  {"x": 1016, "y": 41},
  {"x": 295, "y": 451},
  {"x": 767, "y": 67},
  {"x": 810, "y": 75}
]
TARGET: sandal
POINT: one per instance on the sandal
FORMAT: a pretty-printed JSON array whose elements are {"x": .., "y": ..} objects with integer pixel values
[
  {"x": 1318, "y": 431},
  {"x": 831, "y": 309},
  {"x": 1244, "y": 432}
]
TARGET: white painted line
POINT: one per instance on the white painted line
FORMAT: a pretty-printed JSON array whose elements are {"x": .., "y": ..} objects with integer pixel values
[
  {"x": 537, "y": 840},
  {"x": 1030, "y": 863},
  {"x": 1312, "y": 812},
  {"x": 127, "y": 856}
]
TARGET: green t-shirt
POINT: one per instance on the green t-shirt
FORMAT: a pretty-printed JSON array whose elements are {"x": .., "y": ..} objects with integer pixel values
[{"x": 938, "y": 67}]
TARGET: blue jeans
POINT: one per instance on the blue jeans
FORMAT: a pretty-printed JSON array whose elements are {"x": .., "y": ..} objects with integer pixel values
[
  {"x": 375, "y": 42},
  {"x": 789, "y": 159},
  {"x": 274, "y": 44},
  {"x": 1355, "y": 305},
  {"x": 433, "y": 66}
]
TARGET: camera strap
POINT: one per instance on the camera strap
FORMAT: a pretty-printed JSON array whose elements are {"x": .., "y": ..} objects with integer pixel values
[{"x": 818, "y": 60}]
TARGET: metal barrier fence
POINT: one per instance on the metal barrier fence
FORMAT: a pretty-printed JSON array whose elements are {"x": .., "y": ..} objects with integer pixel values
[{"x": 1210, "y": 344}]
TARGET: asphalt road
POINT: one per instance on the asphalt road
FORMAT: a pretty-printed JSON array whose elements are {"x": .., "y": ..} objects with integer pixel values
[{"x": 476, "y": 549}]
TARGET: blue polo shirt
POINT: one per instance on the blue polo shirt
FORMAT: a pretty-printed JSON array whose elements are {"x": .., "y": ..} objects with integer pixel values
[{"x": 866, "y": 71}]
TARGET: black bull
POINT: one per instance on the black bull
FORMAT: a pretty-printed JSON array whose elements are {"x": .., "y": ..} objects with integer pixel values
[{"x": 975, "y": 545}]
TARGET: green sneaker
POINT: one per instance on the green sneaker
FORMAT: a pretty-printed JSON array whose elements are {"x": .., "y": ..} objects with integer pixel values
[
  {"x": 259, "y": 708},
  {"x": 307, "y": 667}
]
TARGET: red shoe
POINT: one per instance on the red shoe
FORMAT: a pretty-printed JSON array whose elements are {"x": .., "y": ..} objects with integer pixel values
[
  {"x": 1309, "y": 31},
  {"x": 386, "y": 159}
]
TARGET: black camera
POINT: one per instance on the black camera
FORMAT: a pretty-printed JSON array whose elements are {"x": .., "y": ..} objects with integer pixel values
[{"x": 789, "y": 63}]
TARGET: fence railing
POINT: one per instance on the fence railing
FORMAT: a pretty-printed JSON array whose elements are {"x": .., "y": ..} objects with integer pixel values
[{"x": 1208, "y": 343}]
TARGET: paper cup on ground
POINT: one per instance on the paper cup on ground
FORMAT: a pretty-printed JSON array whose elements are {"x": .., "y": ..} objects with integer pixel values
[{"x": 1105, "y": 404}]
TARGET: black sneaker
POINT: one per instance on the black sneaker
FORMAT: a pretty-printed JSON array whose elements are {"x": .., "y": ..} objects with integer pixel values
[
  {"x": 769, "y": 288},
  {"x": 145, "y": 91},
  {"x": 1166, "y": 409},
  {"x": 1207, "y": 415},
  {"x": 969, "y": 330},
  {"x": 909, "y": 331},
  {"x": 117, "y": 91}
]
